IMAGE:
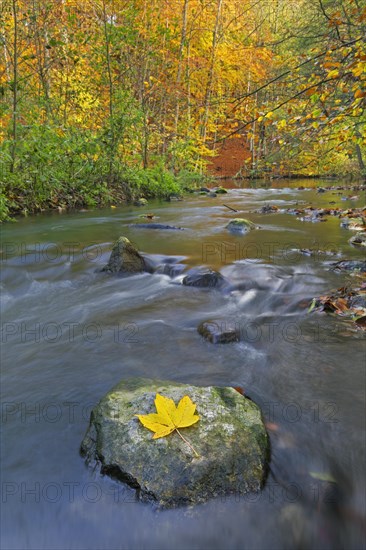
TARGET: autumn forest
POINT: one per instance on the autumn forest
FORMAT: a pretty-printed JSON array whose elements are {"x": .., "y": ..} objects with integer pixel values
[{"x": 104, "y": 100}]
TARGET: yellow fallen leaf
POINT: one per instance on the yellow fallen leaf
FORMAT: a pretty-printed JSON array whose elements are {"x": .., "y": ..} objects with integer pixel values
[{"x": 170, "y": 417}]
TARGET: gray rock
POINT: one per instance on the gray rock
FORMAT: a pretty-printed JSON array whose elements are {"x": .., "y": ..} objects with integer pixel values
[
  {"x": 173, "y": 198},
  {"x": 230, "y": 439},
  {"x": 212, "y": 194},
  {"x": 156, "y": 226},
  {"x": 358, "y": 301},
  {"x": 204, "y": 278},
  {"x": 205, "y": 189},
  {"x": 268, "y": 209},
  {"x": 219, "y": 331},
  {"x": 240, "y": 225},
  {"x": 125, "y": 259},
  {"x": 359, "y": 239},
  {"x": 350, "y": 265}
]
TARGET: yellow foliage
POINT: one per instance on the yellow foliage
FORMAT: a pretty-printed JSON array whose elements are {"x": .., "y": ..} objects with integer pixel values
[
  {"x": 359, "y": 69},
  {"x": 169, "y": 417}
]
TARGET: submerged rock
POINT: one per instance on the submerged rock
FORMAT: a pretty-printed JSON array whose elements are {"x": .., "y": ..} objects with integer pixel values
[
  {"x": 125, "y": 258},
  {"x": 220, "y": 190},
  {"x": 204, "y": 278},
  {"x": 219, "y": 331},
  {"x": 156, "y": 226},
  {"x": 240, "y": 225},
  {"x": 268, "y": 209},
  {"x": 350, "y": 265},
  {"x": 229, "y": 437}
]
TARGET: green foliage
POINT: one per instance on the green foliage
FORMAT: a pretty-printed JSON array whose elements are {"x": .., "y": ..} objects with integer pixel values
[
  {"x": 189, "y": 180},
  {"x": 74, "y": 168},
  {"x": 152, "y": 182},
  {"x": 4, "y": 209}
]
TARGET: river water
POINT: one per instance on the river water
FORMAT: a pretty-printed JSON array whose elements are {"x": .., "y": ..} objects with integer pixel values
[{"x": 70, "y": 333}]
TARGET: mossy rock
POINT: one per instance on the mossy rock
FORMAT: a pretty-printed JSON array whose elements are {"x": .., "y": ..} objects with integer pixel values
[
  {"x": 359, "y": 239},
  {"x": 125, "y": 259},
  {"x": 221, "y": 190},
  {"x": 229, "y": 437},
  {"x": 141, "y": 202},
  {"x": 240, "y": 225}
]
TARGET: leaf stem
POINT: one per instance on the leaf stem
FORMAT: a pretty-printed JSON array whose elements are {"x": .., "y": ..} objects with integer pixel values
[{"x": 188, "y": 443}]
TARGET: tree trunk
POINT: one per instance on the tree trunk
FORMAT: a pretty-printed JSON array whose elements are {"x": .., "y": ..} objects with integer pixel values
[
  {"x": 211, "y": 71},
  {"x": 361, "y": 162},
  {"x": 180, "y": 63},
  {"x": 107, "y": 45},
  {"x": 14, "y": 88}
]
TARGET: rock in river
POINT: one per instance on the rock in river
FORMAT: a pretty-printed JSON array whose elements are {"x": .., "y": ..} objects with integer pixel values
[
  {"x": 140, "y": 202},
  {"x": 240, "y": 225},
  {"x": 156, "y": 226},
  {"x": 220, "y": 190},
  {"x": 219, "y": 331},
  {"x": 359, "y": 239},
  {"x": 125, "y": 258},
  {"x": 350, "y": 265},
  {"x": 204, "y": 278},
  {"x": 229, "y": 437}
]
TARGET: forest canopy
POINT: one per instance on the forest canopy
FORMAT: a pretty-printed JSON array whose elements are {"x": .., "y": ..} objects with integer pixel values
[{"x": 106, "y": 99}]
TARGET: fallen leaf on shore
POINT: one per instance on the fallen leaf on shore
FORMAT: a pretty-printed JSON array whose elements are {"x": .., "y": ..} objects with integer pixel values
[{"x": 348, "y": 302}]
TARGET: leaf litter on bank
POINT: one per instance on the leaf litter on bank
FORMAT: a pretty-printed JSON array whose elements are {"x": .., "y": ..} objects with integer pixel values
[{"x": 348, "y": 302}]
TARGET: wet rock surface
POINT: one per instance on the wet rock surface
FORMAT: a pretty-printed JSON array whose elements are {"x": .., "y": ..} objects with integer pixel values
[
  {"x": 125, "y": 259},
  {"x": 219, "y": 331},
  {"x": 350, "y": 265},
  {"x": 240, "y": 225},
  {"x": 358, "y": 240},
  {"x": 230, "y": 439},
  {"x": 205, "y": 278},
  {"x": 156, "y": 226}
]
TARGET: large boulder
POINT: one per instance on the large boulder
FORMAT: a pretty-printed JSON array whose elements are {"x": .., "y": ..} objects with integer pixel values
[
  {"x": 229, "y": 438},
  {"x": 240, "y": 225},
  {"x": 125, "y": 259}
]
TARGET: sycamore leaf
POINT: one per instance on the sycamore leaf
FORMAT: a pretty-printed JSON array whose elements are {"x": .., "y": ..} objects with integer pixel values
[{"x": 169, "y": 418}]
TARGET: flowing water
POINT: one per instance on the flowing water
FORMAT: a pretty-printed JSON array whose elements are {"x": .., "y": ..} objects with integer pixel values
[{"x": 70, "y": 333}]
